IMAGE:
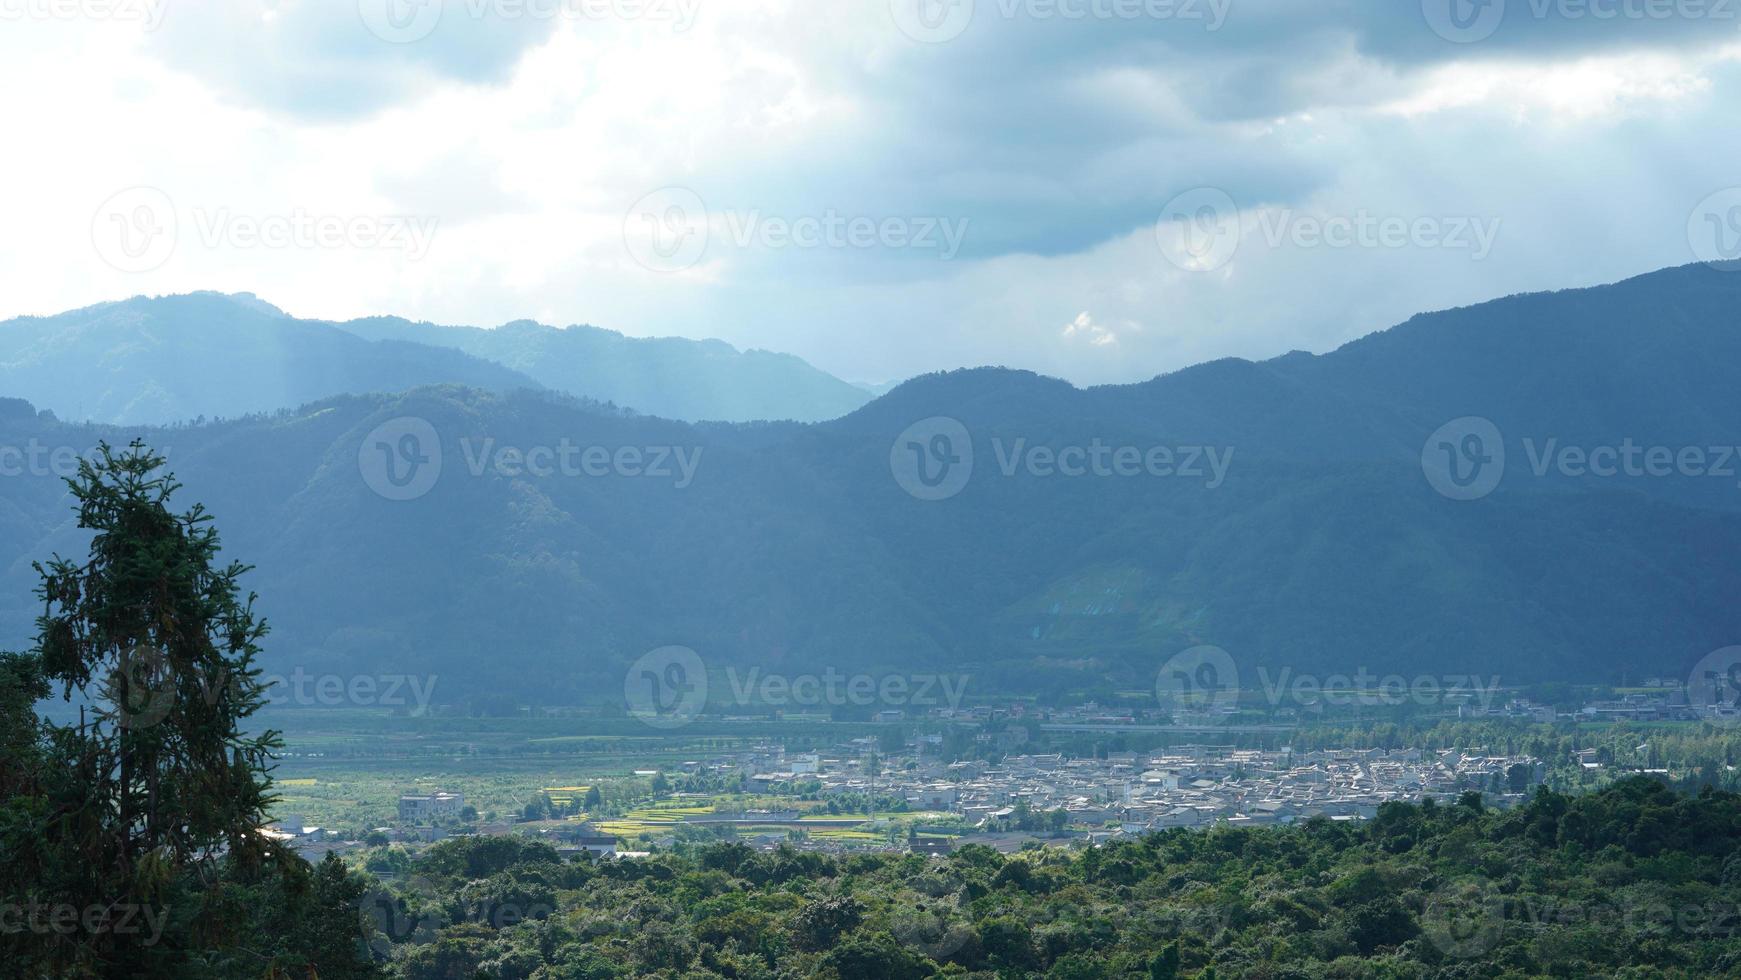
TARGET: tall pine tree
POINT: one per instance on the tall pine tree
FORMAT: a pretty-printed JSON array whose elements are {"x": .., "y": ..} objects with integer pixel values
[{"x": 143, "y": 817}]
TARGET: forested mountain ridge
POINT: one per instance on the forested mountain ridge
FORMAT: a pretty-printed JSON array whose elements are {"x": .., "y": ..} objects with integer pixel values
[
  {"x": 672, "y": 377},
  {"x": 153, "y": 361},
  {"x": 169, "y": 359},
  {"x": 1293, "y": 523}
]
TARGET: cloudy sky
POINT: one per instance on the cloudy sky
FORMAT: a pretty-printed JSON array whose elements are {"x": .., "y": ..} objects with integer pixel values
[{"x": 1102, "y": 190}]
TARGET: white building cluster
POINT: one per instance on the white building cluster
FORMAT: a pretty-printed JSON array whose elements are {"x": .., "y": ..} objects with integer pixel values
[{"x": 1179, "y": 787}]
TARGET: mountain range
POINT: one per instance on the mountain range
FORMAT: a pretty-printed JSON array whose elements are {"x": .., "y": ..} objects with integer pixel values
[
  {"x": 665, "y": 376},
  {"x": 1289, "y": 511},
  {"x": 162, "y": 360}
]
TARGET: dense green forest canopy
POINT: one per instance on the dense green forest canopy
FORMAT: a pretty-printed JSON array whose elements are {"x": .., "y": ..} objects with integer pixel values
[{"x": 1634, "y": 881}]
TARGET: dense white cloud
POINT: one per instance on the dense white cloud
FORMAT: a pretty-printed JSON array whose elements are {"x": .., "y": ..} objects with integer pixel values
[
  {"x": 877, "y": 204},
  {"x": 1086, "y": 330}
]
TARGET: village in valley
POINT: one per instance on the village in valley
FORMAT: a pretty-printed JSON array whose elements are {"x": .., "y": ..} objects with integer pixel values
[
  {"x": 775, "y": 797},
  {"x": 1007, "y": 776}
]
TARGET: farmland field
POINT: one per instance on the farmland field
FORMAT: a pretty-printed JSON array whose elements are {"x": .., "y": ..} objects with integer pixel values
[{"x": 347, "y": 768}]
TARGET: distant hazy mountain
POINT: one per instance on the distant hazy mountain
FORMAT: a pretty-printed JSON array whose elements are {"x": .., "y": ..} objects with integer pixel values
[
  {"x": 1321, "y": 546},
  {"x": 155, "y": 361},
  {"x": 670, "y": 377},
  {"x": 877, "y": 390},
  {"x": 170, "y": 359}
]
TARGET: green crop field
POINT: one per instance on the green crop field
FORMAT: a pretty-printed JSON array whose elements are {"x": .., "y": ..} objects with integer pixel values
[{"x": 347, "y": 768}]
